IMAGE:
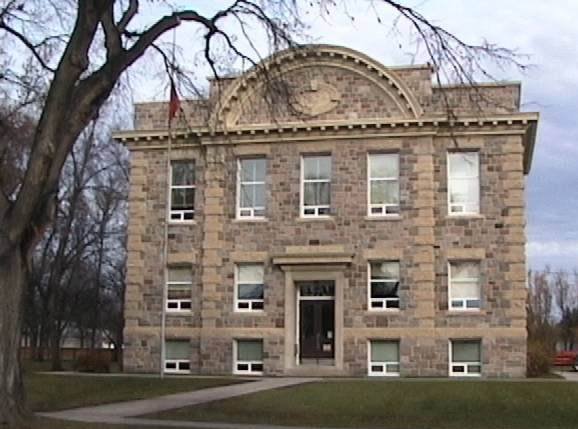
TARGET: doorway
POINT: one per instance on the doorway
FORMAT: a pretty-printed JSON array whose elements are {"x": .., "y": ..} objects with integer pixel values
[{"x": 316, "y": 320}]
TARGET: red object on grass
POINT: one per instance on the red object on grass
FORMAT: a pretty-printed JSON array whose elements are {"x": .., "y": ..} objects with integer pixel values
[{"x": 567, "y": 358}]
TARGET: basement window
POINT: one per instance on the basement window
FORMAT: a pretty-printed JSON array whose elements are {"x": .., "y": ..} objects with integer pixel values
[
  {"x": 177, "y": 357},
  {"x": 383, "y": 285},
  {"x": 466, "y": 360},
  {"x": 383, "y": 358},
  {"x": 248, "y": 357},
  {"x": 182, "y": 191}
]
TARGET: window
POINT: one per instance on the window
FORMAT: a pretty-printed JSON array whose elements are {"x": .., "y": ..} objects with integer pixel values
[
  {"x": 383, "y": 285},
  {"x": 251, "y": 188},
  {"x": 249, "y": 287},
  {"x": 464, "y": 286},
  {"x": 315, "y": 186},
  {"x": 463, "y": 183},
  {"x": 383, "y": 183},
  {"x": 466, "y": 360},
  {"x": 383, "y": 358},
  {"x": 248, "y": 357},
  {"x": 179, "y": 284},
  {"x": 177, "y": 356},
  {"x": 182, "y": 191}
]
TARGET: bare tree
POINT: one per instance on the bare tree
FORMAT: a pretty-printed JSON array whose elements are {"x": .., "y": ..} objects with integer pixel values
[{"x": 71, "y": 71}]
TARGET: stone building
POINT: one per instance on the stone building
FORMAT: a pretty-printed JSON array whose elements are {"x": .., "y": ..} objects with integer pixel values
[{"x": 324, "y": 217}]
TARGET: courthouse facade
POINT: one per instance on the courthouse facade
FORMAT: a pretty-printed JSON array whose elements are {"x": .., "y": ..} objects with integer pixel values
[{"x": 328, "y": 215}]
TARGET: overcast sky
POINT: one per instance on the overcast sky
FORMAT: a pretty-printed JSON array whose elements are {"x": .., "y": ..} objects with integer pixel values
[{"x": 547, "y": 32}]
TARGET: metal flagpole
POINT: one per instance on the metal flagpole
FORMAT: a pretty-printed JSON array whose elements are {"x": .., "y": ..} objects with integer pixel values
[{"x": 167, "y": 216}]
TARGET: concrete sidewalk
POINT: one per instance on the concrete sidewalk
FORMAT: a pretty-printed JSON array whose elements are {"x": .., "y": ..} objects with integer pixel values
[{"x": 124, "y": 412}]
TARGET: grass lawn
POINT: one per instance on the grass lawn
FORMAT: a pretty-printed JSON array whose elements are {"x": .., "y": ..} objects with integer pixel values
[
  {"x": 47, "y": 392},
  {"x": 401, "y": 405}
]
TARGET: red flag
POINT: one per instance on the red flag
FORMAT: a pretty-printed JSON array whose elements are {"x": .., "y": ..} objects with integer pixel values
[{"x": 174, "y": 102}]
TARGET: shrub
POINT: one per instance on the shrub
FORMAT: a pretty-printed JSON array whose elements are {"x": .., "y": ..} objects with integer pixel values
[
  {"x": 539, "y": 358},
  {"x": 92, "y": 362}
]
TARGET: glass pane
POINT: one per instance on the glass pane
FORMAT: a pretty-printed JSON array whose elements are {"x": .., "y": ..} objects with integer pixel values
[
  {"x": 465, "y": 290},
  {"x": 183, "y": 173},
  {"x": 247, "y": 195},
  {"x": 317, "y": 167},
  {"x": 176, "y": 350},
  {"x": 384, "y": 165},
  {"x": 249, "y": 350},
  {"x": 316, "y": 288},
  {"x": 384, "y": 270},
  {"x": 251, "y": 273},
  {"x": 316, "y": 194},
  {"x": 384, "y": 289},
  {"x": 464, "y": 190},
  {"x": 465, "y": 270},
  {"x": 384, "y": 192},
  {"x": 180, "y": 275},
  {"x": 183, "y": 199},
  {"x": 259, "y": 195},
  {"x": 250, "y": 291},
  {"x": 384, "y": 351},
  {"x": 466, "y": 351},
  {"x": 253, "y": 170},
  {"x": 463, "y": 164}
]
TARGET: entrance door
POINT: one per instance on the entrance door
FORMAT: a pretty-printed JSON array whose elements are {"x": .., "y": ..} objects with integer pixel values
[{"x": 317, "y": 320}]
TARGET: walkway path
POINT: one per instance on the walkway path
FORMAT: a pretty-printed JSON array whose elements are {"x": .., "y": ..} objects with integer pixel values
[{"x": 124, "y": 412}]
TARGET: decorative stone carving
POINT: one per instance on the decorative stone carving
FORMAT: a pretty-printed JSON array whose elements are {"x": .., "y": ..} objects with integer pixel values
[{"x": 316, "y": 98}]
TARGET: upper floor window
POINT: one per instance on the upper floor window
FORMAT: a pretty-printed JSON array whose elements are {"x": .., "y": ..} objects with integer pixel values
[
  {"x": 315, "y": 186},
  {"x": 251, "y": 188},
  {"x": 463, "y": 183},
  {"x": 383, "y": 285},
  {"x": 383, "y": 172},
  {"x": 249, "y": 287},
  {"x": 179, "y": 284},
  {"x": 182, "y": 191},
  {"x": 464, "y": 286}
]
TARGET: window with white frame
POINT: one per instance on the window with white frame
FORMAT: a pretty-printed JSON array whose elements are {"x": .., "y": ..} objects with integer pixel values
[
  {"x": 466, "y": 358},
  {"x": 383, "y": 285},
  {"x": 383, "y": 358},
  {"x": 249, "y": 287},
  {"x": 251, "y": 188},
  {"x": 177, "y": 356},
  {"x": 463, "y": 183},
  {"x": 179, "y": 285},
  {"x": 248, "y": 357},
  {"x": 182, "y": 193},
  {"x": 315, "y": 185},
  {"x": 383, "y": 184},
  {"x": 464, "y": 292}
]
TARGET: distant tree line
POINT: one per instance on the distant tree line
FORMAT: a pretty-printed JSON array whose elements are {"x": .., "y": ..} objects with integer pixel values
[
  {"x": 552, "y": 317},
  {"x": 77, "y": 272}
]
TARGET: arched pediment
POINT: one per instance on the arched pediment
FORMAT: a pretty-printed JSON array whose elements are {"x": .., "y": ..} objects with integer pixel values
[{"x": 316, "y": 83}]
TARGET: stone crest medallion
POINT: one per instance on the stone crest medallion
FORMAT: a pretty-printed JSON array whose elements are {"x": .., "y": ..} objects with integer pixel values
[{"x": 316, "y": 98}]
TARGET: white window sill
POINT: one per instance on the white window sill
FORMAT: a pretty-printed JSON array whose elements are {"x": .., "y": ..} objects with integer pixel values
[
  {"x": 182, "y": 222},
  {"x": 465, "y": 216},
  {"x": 383, "y": 217},
  {"x": 383, "y": 310},
  {"x": 315, "y": 219},
  {"x": 384, "y": 375},
  {"x": 250, "y": 220}
]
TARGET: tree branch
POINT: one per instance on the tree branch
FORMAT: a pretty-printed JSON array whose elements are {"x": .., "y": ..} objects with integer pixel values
[
  {"x": 128, "y": 15},
  {"x": 31, "y": 47},
  {"x": 112, "y": 39}
]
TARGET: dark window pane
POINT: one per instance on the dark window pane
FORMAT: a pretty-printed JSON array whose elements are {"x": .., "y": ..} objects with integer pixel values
[
  {"x": 257, "y": 367},
  {"x": 376, "y": 368},
  {"x": 459, "y": 368},
  {"x": 184, "y": 366},
  {"x": 243, "y": 367},
  {"x": 183, "y": 173},
  {"x": 250, "y": 291},
  {"x": 258, "y": 305},
  {"x": 392, "y": 304},
  {"x": 473, "y": 303},
  {"x": 186, "y": 305},
  {"x": 183, "y": 199},
  {"x": 384, "y": 289}
]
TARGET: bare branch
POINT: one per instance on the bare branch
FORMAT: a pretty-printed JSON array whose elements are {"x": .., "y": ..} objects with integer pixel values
[
  {"x": 29, "y": 45},
  {"x": 128, "y": 15}
]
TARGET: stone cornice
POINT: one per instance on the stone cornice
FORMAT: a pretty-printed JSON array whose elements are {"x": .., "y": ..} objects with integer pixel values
[{"x": 516, "y": 123}]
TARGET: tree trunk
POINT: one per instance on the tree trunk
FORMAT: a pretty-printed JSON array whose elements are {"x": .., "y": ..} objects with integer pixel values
[{"x": 12, "y": 280}]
